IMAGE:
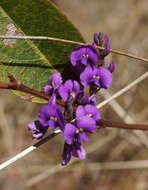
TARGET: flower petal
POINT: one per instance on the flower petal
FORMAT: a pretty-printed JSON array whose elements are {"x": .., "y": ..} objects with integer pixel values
[
  {"x": 112, "y": 66},
  {"x": 84, "y": 55},
  {"x": 52, "y": 124},
  {"x": 91, "y": 109},
  {"x": 32, "y": 126},
  {"x": 82, "y": 137},
  {"x": 69, "y": 133},
  {"x": 80, "y": 112},
  {"x": 63, "y": 93},
  {"x": 76, "y": 87},
  {"x": 105, "y": 77},
  {"x": 37, "y": 135},
  {"x": 67, "y": 153},
  {"x": 86, "y": 76},
  {"x": 47, "y": 89},
  {"x": 84, "y": 60},
  {"x": 76, "y": 55},
  {"x": 102, "y": 40},
  {"x": 87, "y": 123},
  {"x": 68, "y": 85},
  {"x": 37, "y": 129},
  {"x": 78, "y": 151},
  {"x": 56, "y": 79},
  {"x": 93, "y": 54},
  {"x": 60, "y": 118},
  {"x": 51, "y": 110}
]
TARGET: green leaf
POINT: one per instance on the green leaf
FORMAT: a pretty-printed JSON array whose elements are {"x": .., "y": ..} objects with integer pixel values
[{"x": 32, "y": 62}]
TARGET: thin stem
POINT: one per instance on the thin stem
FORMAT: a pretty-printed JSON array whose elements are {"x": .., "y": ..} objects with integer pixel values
[
  {"x": 120, "y": 165},
  {"x": 16, "y": 85},
  {"x": 116, "y": 165},
  {"x": 28, "y": 150},
  {"x": 71, "y": 42},
  {"x": 114, "y": 124},
  {"x": 123, "y": 90}
]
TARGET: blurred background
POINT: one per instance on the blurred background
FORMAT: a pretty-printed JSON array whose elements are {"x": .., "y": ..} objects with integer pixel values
[{"x": 126, "y": 23}]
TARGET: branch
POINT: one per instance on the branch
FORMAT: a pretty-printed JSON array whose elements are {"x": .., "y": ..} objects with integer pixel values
[
  {"x": 120, "y": 125},
  {"x": 123, "y": 90},
  {"x": 16, "y": 85},
  {"x": 28, "y": 150},
  {"x": 71, "y": 42},
  {"x": 119, "y": 165},
  {"x": 116, "y": 165}
]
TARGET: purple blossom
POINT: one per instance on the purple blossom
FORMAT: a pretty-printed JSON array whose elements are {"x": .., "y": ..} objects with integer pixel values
[
  {"x": 54, "y": 83},
  {"x": 38, "y": 129},
  {"x": 86, "y": 124},
  {"x": 74, "y": 133},
  {"x": 85, "y": 55},
  {"x": 100, "y": 77},
  {"x": 51, "y": 115},
  {"x": 112, "y": 66},
  {"x": 79, "y": 115},
  {"x": 76, "y": 149},
  {"x": 69, "y": 89},
  {"x": 88, "y": 111},
  {"x": 102, "y": 40},
  {"x": 86, "y": 121}
]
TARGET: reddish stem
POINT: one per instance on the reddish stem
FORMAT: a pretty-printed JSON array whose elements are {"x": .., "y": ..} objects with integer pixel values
[
  {"x": 15, "y": 85},
  {"x": 115, "y": 124}
]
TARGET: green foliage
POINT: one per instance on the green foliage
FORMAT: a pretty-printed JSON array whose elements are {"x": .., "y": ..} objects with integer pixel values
[{"x": 32, "y": 62}]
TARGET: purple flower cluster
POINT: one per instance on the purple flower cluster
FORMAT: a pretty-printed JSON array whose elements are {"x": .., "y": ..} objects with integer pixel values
[{"x": 79, "y": 116}]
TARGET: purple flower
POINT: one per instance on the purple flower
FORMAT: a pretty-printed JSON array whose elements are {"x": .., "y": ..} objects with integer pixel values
[
  {"x": 102, "y": 40},
  {"x": 37, "y": 128},
  {"x": 100, "y": 77},
  {"x": 51, "y": 115},
  {"x": 86, "y": 121},
  {"x": 69, "y": 89},
  {"x": 84, "y": 55},
  {"x": 112, "y": 66},
  {"x": 54, "y": 83},
  {"x": 76, "y": 149},
  {"x": 74, "y": 133},
  {"x": 86, "y": 124},
  {"x": 88, "y": 111}
]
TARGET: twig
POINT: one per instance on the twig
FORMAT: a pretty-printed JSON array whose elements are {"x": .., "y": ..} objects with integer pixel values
[
  {"x": 120, "y": 165},
  {"x": 16, "y": 85},
  {"x": 115, "y": 124},
  {"x": 123, "y": 90},
  {"x": 71, "y": 42},
  {"x": 28, "y": 150},
  {"x": 132, "y": 138}
]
